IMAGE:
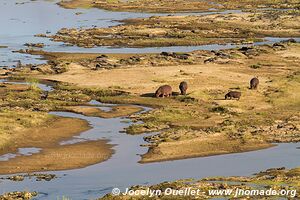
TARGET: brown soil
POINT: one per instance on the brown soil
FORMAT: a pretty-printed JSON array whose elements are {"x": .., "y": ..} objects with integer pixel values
[
  {"x": 117, "y": 111},
  {"x": 139, "y": 6},
  {"x": 187, "y": 30},
  {"x": 59, "y": 157},
  {"x": 260, "y": 117},
  {"x": 54, "y": 156},
  {"x": 12, "y": 87},
  {"x": 49, "y": 135},
  {"x": 200, "y": 147},
  {"x": 177, "y": 5}
]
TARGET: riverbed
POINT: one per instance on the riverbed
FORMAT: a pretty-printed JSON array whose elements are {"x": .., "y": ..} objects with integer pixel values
[
  {"x": 122, "y": 170},
  {"x": 23, "y": 19}
]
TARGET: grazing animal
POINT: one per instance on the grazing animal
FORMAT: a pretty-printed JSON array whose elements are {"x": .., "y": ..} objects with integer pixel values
[
  {"x": 254, "y": 83},
  {"x": 183, "y": 87},
  {"x": 233, "y": 95},
  {"x": 164, "y": 91}
]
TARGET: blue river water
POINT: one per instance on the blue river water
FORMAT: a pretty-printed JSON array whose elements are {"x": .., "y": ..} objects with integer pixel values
[{"x": 21, "y": 20}]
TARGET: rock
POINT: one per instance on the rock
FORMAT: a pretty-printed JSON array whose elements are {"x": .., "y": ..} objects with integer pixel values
[
  {"x": 101, "y": 58},
  {"x": 33, "y": 67},
  {"x": 210, "y": 60},
  {"x": 98, "y": 66},
  {"x": 184, "y": 56},
  {"x": 40, "y": 35},
  {"x": 165, "y": 53},
  {"x": 280, "y": 45},
  {"x": 16, "y": 178},
  {"x": 38, "y": 177},
  {"x": 18, "y": 195},
  {"x": 292, "y": 40},
  {"x": 221, "y": 54},
  {"x": 36, "y": 45},
  {"x": 46, "y": 177},
  {"x": 8, "y": 73}
]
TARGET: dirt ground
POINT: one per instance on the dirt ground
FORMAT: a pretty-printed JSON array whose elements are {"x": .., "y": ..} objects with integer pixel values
[
  {"x": 193, "y": 30},
  {"x": 177, "y": 5},
  {"x": 256, "y": 120},
  {"x": 117, "y": 111},
  {"x": 144, "y": 79},
  {"x": 53, "y": 156},
  {"x": 60, "y": 157},
  {"x": 25, "y": 123},
  {"x": 201, "y": 147}
]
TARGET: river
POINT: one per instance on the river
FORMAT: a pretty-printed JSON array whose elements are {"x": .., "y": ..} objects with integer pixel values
[
  {"x": 123, "y": 170},
  {"x": 27, "y": 18},
  {"x": 22, "y": 19}
]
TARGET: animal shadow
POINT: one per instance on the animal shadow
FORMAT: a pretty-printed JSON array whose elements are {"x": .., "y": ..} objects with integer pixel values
[
  {"x": 148, "y": 95},
  {"x": 153, "y": 94}
]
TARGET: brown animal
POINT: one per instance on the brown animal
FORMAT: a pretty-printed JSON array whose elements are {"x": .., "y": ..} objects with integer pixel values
[
  {"x": 183, "y": 87},
  {"x": 233, "y": 95},
  {"x": 254, "y": 83},
  {"x": 164, "y": 91}
]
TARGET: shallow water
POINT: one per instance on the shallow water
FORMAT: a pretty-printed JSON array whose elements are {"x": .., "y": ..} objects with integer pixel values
[
  {"x": 123, "y": 169},
  {"x": 44, "y": 87},
  {"x": 7, "y": 156},
  {"x": 28, "y": 151},
  {"x": 21, "y": 152},
  {"x": 102, "y": 106},
  {"x": 21, "y": 22}
]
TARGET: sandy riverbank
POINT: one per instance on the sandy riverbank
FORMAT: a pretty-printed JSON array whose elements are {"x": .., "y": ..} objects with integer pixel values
[
  {"x": 53, "y": 156},
  {"x": 25, "y": 123},
  {"x": 192, "y": 30},
  {"x": 176, "y": 5},
  {"x": 201, "y": 123}
]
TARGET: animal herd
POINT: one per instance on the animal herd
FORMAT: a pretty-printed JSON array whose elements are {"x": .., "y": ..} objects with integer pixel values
[{"x": 166, "y": 90}]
